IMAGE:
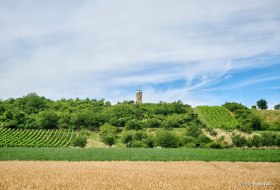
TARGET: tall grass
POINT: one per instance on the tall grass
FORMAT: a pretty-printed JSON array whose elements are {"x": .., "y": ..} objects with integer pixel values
[{"x": 138, "y": 154}]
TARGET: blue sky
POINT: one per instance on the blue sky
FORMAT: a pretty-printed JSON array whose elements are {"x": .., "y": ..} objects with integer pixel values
[{"x": 200, "y": 52}]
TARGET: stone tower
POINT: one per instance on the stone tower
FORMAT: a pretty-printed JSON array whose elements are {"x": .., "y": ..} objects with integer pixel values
[{"x": 139, "y": 96}]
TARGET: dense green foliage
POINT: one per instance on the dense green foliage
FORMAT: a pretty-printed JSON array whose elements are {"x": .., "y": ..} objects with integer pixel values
[
  {"x": 35, "y": 138},
  {"x": 248, "y": 121},
  {"x": 166, "y": 139},
  {"x": 262, "y": 104},
  {"x": 218, "y": 117},
  {"x": 265, "y": 139},
  {"x": 80, "y": 141},
  {"x": 139, "y": 154},
  {"x": 147, "y": 125},
  {"x": 277, "y": 107},
  {"x": 108, "y": 134},
  {"x": 137, "y": 139},
  {"x": 37, "y": 112}
]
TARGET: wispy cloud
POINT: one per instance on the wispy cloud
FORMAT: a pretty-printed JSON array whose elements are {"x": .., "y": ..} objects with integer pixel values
[
  {"x": 255, "y": 81},
  {"x": 106, "y": 48}
]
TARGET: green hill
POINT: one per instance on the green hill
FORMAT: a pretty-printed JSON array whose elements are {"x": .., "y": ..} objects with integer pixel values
[{"x": 216, "y": 117}]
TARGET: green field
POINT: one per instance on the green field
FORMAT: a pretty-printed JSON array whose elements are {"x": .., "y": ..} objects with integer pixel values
[
  {"x": 35, "y": 138},
  {"x": 216, "y": 117},
  {"x": 138, "y": 154}
]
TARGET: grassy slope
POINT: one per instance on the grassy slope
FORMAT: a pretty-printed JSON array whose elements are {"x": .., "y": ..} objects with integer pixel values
[
  {"x": 201, "y": 116},
  {"x": 269, "y": 116},
  {"x": 116, "y": 154},
  {"x": 216, "y": 117}
]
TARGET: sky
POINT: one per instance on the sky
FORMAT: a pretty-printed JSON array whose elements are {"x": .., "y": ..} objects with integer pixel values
[{"x": 203, "y": 52}]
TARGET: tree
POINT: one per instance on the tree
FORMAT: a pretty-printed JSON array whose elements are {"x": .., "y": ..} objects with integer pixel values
[
  {"x": 108, "y": 134},
  {"x": 277, "y": 107},
  {"x": 48, "y": 119},
  {"x": 108, "y": 139},
  {"x": 127, "y": 137},
  {"x": 193, "y": 130},
  {"x": 167, "y": 139},
  {"x": 108, "y": 129},
  {"x": 133, "y": 125},
  {"x": 262, "y": 104},
  {"x": 32, "y": 103}
]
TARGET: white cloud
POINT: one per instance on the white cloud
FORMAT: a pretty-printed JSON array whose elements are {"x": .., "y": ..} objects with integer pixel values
[{"x": 97, "y": 48}]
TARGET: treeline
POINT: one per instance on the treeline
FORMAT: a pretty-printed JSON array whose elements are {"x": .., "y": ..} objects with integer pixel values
[{"x": 37, "y": 112}]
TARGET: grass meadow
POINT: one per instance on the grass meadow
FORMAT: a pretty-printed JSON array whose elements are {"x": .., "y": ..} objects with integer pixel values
[{"x": 139, "y": 154}]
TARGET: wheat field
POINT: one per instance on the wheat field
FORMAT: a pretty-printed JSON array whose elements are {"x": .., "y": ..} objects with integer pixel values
[{"x": 138, "y": 175}]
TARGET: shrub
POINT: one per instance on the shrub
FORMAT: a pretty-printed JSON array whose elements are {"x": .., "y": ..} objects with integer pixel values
[
  {"x": 193, "y": 130},
  {"x": 233, "y": 106},
  {"x": 48, "y": 119},
  {"x": 190, "y": 145},
  {"x": 152, "y": 123},
  {"x": 239, "y": 141},
  {"x": 213, "y": 133},
  {"x": 109, "y": 139},
  {"x": 118, "y": 122},
  {"x": 133, "y": 125},
  {"x": 277, "y": 140},
  {"x": 107, "y": 129},
  {"x": 138, "y": 144},
  {"x": 221, "y": 138},
  {"x": 149, "y": 141},
  {"x": 127, "y": 137},
  {"x": 187, "y": 140},
  {"x": 80, "y": 141},
  {"x": 275, "y": 126},
  {"x": 167, "y": 139},
  {"x": 277, "y": 107},
  {"x": 256, "y": 141},
  {"x": 84, "y": 133},
  {"x": 216, "y": 145},
  {"x": 256, "y": 123},
  {"x": 246, "y": 127},
  {"x": 173, "y": 121},
  {"x": 202, "y": 139},
  {"x": 270, "y": 139}
]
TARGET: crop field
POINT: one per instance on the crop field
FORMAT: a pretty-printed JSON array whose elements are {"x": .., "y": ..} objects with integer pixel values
[
  {"x": 138, "y": 154},
  {"x": 138, "y": 175},
  {"x": 217, "y": 117},
  {"x": 35, "y": 138}
]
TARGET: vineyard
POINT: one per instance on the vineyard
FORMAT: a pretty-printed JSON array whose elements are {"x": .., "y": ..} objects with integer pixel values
[
  {"x": 35, "y": 138},
  {"x": 217, "y": 117}
]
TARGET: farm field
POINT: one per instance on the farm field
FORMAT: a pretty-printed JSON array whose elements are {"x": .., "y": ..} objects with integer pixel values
[
  {"x": 35, "y": 138},
  {"x": 216, "y": 117},
  {"x": 139, "y": 154},
  {"x": 138, "y": 175}
]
